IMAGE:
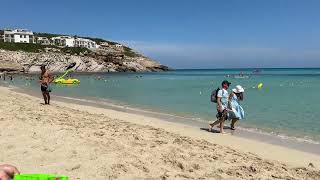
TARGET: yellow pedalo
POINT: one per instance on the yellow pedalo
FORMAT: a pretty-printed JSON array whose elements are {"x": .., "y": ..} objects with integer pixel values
[
  {"x": 67, "y": 81},
  {"x": 61, "y": 80}
]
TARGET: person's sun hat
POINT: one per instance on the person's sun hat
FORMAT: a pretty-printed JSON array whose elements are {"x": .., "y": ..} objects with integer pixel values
[{"x": 238, "y": 89}]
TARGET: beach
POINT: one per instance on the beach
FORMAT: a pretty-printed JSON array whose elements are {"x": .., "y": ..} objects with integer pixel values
[{"x": 85, "y": 142}]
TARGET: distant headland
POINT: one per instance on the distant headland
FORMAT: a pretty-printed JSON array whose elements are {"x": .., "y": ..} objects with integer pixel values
[{"x": 24, "y": 51}]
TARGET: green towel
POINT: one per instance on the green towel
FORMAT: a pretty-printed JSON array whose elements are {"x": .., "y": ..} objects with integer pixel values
[{"x": 39, "y": 177}]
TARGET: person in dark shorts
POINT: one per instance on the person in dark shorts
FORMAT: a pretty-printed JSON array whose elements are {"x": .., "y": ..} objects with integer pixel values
[{"x": 45, "y": 80}]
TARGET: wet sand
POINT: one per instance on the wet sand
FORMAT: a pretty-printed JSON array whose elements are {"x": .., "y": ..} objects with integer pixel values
[{"x": 86, "y": 142}]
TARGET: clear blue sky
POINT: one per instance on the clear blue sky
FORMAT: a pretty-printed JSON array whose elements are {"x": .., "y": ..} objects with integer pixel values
[{"x": 186, "y": 33}]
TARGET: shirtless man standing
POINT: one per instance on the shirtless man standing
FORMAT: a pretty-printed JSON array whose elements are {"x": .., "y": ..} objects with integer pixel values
[{"x": 45, "y": 80}]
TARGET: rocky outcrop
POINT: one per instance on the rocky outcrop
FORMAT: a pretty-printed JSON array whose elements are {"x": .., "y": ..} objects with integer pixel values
[
  {"x": 88, "y": 61},
  {"x": 10, "y": 67}
]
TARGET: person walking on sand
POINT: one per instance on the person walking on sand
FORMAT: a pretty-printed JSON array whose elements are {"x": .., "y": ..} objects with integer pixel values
[
  {"x": 237, "y": 111},
  {"x": 222, "y": 106},
  {"x": 45, "y": 80}
]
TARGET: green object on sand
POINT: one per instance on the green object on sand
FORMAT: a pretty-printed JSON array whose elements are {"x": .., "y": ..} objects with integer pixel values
[{"x": 39, "y": 177}]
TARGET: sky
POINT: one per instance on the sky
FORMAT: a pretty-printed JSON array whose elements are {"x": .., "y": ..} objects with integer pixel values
[{"x": 186, "y": 33}]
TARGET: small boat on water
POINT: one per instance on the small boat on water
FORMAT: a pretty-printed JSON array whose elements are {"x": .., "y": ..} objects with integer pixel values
[
  {"x": 66, "y": 81},
  {"x": 61, "y": 80},
  {"x": 241, "y": 76}
]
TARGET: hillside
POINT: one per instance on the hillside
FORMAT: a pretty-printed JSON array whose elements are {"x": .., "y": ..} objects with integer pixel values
[{"x": 27, "y": 57}]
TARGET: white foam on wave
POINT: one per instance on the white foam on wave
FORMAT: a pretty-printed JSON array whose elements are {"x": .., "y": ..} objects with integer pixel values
[{"x": 305, "y": 139}]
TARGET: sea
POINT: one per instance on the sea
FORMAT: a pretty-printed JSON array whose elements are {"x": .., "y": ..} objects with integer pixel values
[{"x": 287, "y": 105}]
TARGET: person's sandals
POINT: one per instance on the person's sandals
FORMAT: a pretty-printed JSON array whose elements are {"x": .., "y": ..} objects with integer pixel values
[{"x": 210, "y": 128}]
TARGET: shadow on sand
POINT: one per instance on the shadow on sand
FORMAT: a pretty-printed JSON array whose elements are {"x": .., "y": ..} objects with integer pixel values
[
  {"x": 212, "y": 131},
  {"x": 215, "y": 130}
]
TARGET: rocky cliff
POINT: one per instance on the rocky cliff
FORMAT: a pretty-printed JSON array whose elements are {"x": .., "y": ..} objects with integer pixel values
[{"x": 57, "y": 60}]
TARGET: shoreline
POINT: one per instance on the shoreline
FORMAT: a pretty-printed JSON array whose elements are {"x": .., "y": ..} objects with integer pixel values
[
  {"x": 301, "y": 144},
  {"x": 85, "y": 141}
]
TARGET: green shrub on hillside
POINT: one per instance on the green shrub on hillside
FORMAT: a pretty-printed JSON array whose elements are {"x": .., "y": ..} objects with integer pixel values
[
  {"x": 129, "y": 52},
  {"x": 75, "y": 50},
  {"x": 99, "y": 40},
  {"x": 35, "y": 48},
  {"x": 27, "y": 47},
  {"x": 48, "y": 35}
]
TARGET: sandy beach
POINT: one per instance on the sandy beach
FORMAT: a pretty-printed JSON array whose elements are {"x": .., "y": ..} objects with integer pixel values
[{"x": 91, "y": 143}]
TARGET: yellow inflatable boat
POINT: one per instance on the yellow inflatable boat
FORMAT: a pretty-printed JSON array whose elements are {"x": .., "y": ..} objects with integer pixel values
[
  {"x": 66, "y": 81},
  {"x": 61, "y": 80}
]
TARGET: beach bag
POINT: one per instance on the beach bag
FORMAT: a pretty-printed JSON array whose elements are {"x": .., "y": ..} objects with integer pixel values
[{"x": 214, "y": 95}]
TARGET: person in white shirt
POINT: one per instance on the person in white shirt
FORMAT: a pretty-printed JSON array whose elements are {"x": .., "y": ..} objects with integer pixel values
[{"x": 222, "y": 106}]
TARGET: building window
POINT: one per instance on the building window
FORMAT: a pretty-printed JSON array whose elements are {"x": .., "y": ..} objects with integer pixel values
[{"x": 20, "y": 36}]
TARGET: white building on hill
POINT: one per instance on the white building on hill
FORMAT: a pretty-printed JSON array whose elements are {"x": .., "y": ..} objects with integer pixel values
[
  {"x": 25, "y": 36},
  {"x": 43, "y": 40},
  {"x": 18, "y": 36},
  {"x": 118, "y": 46},
  {"x": 66, "y": 41},
  {"x": 87, "y": 43},
  {"x": 69, "y": 41}
]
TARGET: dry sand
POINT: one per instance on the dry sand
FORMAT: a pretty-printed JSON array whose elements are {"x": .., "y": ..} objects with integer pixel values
[{"x": 91, "y": 143}]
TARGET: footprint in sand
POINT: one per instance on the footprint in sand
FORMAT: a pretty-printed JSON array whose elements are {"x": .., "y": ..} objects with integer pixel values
[
  {"x": 74, "y": 167},
  {"x": 73, "y": 154},
  {"x": 99, "y": 133},
  {"x": 10, "y": 146}
]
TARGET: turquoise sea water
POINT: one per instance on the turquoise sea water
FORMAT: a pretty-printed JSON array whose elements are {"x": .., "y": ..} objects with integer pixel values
[{"x": 287, "y": 104}]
